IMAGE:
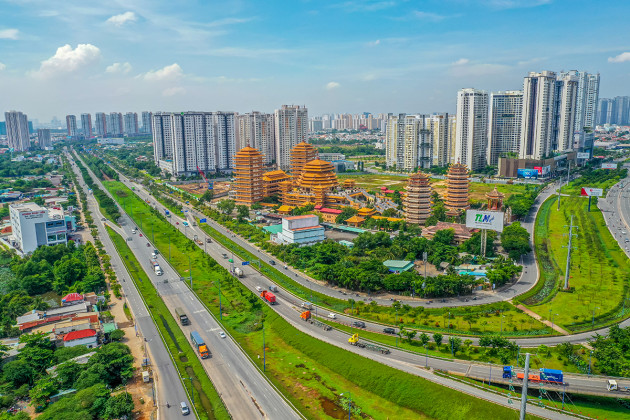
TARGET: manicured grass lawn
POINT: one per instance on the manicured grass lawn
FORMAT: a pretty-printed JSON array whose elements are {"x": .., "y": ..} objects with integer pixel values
[
  {"x": 599, "y": 271},
  {"x": 207, "y": 400},
  {"x": 310, "y": 372}
]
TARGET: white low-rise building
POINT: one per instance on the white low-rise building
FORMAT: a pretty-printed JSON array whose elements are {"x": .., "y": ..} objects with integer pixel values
[
  {"x": 302, "y": 230},
  {"x": 33, "y": 226}
]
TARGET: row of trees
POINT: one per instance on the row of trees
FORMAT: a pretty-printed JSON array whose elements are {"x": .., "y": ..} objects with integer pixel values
[
  {"x": 109, "y": 367},
  {"x": 108, "y": 205}
]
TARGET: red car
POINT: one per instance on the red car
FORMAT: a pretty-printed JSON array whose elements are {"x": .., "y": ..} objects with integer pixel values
[{"x": 141, "y": 235}]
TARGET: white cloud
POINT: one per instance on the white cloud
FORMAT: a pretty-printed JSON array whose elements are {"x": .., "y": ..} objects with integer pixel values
[
  {"x": 621, "y": 58},
  {"x": 68, "y": 60},
  {"x": 374, "y": 43},
  {"x": 514, "y": 4},
  {"x": 9, "y": 33},
  {"x": 121, "y": 19},
  {"x": 122, "y": 68},
  {"x": 172, "y": 72},
  {"x": 332, "y": 85},
  {"x": 428, "y": 16},
  {"x": 2, "y": 66},
  {"x": 461, "y": 62},
  {"x": 172, "y": 91}
]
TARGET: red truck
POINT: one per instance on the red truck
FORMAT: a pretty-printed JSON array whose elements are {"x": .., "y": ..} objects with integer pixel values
[{"x": 268, "y": 296}]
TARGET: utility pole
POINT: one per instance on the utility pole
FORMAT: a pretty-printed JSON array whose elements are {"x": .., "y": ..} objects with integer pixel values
[
  {"x": 524, "y": 391},
  {"x": 566, "y": 271},
  {"x": 484, "y": 239}
]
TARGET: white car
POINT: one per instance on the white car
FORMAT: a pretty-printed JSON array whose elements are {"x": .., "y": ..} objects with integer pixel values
[
  {"x": 332, "y": 316},
  {"x": 222, "y": 334},
  {"x": 259, "y": 288}
]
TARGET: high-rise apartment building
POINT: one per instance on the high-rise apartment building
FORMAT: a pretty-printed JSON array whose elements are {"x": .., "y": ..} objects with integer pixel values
[
  {"x": 86, "y": 125},
  {"x": 186, "y": 142},
  {"x": 408, "y": 142},
  {"x": 604, "y": 111},
  {"x": 101, "y": 124},
  {"x": 131, "y": 124},
  {"x": 443, "y": 132},
  {"x": 565, "y": 106},
  {"x": 291, "y": 128},
  {"x": 621, "y": 110},
  {"x": 537, "y": 127},
  {"x": 504, "y": 125},
  {"x": 43, "y": 138},
  {"x": 71, "y": 125},
  {"x": 115, "y": 125},
  {"x": 146, "y": 122},
  {"x": 17, "y": 131},
  {"x": 257, "y": 130},
  {"x": 471, "y": 136},
  {"x": 587, "y": 100}
]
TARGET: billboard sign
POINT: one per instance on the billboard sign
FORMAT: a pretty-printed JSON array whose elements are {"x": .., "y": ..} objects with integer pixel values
[
  {"x": 583, "y": 155},
  {"x": 592, "y": 192},
  {"x": 546, "y": 170},
  {"x": 492, "y": 220},
  {"x": 527, "y": 173},
  {"x": 539, "y": 169},
  {"x": 609, "y": 166}
]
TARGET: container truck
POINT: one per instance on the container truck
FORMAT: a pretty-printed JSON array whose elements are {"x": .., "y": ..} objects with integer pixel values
[
  {"x": 268, "y": 296},
  {"x": 183, "y": 319},
  {"x": 238, "y": 272},
  {"x": 551, "y": 375},
  {"x": 198, "y": 342},
  {"x": 156, "y": 268}
]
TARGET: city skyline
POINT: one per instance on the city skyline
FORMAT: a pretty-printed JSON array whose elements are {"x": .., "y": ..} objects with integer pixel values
[{"x": 378, "y": 56}]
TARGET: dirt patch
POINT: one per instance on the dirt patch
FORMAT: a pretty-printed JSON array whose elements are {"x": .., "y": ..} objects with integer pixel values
[{"x": 331, "y": 409}]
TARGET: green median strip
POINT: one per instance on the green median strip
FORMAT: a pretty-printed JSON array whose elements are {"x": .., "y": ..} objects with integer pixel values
[
  {"x": 207, "y": 400},
  {"x": 310, "y": 373}
]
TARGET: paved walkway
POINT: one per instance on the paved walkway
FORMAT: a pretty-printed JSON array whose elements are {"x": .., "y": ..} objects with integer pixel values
[{"x": 540, "y": 318}]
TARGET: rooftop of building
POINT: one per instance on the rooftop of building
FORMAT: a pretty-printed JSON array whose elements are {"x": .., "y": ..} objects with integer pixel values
[
  {"x": 29, "y": 206},
  {"x": 304, "y": 216},
  {"x": 76, "y": 335}
]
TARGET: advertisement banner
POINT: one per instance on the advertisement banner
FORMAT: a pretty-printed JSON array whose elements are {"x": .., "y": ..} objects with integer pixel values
[
  {"x": 527, "y": 173},
  {"x": 546, "y": 170},
  {"x": 592, "y": 192},
  {"x": 583, "y": 155},
  {"x": 492, "y": 220},
  {"x": 539, "y": 169},
  {"x": 609, "y": 166}
]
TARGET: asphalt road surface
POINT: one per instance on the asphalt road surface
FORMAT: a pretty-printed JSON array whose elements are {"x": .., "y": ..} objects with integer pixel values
[{"x": 243, "y": 388}]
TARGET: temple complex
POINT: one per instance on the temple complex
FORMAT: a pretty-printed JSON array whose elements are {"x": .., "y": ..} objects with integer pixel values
[
  {"x": 272, "y": 180},
  {"x": 317, "y": 179},
  {"x": 417, "y": 200},
  {"x": 456, "y": 199},
  {"x": 248, "y": 174},
  {"x": 302, "y": 154}
]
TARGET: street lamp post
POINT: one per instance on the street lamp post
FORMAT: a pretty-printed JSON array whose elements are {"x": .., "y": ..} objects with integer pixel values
[
  {"x": 594, "y": 316},
  {"x": 192, "y": 394},
  {"x": 220, "y": 308},
  {"x": 349, "y": 403},
  {"x": 190, "y": 271},
  {"x": 502, "y": 316},
  {"x": 396, "y": 322}
]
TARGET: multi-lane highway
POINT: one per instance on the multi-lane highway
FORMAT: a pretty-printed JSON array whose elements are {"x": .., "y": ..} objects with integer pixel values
[
  {"x": 288, "y": 307},
  {"x": 244, "y": 390},
  {"x": 169, "y": 388}
]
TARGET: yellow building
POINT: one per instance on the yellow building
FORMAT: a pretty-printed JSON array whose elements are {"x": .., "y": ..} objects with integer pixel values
[
  {"x": 272, "y": 180},
  {"x": 417, "y": 200},
  {"x": 302, "y": 154},
  {"x": 317, "y": 179},
  {"x": 366, "y": 212},
  {"x": 355, "y": 221},
  {"x": 248, "y": 172}
]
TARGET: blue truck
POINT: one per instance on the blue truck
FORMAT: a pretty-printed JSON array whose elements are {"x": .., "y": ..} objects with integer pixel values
[{"x": 551, "y": 375}]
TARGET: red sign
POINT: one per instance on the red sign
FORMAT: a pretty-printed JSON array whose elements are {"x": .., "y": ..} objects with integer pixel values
[{"x": 539, "y": 169}]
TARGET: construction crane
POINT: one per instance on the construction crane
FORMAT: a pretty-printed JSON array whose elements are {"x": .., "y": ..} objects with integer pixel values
[{"x": 210, "y": 185}]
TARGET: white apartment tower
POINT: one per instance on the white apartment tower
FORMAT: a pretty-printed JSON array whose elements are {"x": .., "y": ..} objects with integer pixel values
[
  {"x": 100, "y": 129},
  {"x": 442, "y": 129},
  {"x": 587, "y": 102},
  {"x": 146, "y": 122},
  {"x": 504, "y": 126},
  {"x": 130, "y": 123},
  {"x": 18, "y": 135},
  {"x": 408, "y": 142},
  {"x": 537, "y": 127},
  {"x": 86, "y": 125},
  {"x": 71, "y": 124},
  {"x": 291, "y": 128},
  {"x": 564, "y": 112},
  {"x": 472, "y": 128},
  {"x": 257, "y": 130},
  {"x": 115, "y": 124},
  {"x": 43, "y": 138},
  {"x": 190, "y": 141}
]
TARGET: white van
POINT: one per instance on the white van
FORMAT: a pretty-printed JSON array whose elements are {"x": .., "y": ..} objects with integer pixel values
[{"x": 185, "y": 409}]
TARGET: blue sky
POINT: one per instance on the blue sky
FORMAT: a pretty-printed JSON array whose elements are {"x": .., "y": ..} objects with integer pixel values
[{"x": 59, "y": 57}]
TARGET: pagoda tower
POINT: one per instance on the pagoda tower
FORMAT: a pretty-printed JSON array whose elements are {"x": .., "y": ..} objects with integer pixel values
[
  {"x": 495, "y": 200},
  {"x": 301, "y": 154},
  {"x": 417, "y": 201},
  {"x": 456, "y": 200},
  {"x": 248, "y": 171}
]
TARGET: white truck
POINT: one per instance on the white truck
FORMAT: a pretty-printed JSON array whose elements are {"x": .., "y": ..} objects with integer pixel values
[
  {"x": 156, "y": 268},
  {"x": 238, "y": 272}
]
